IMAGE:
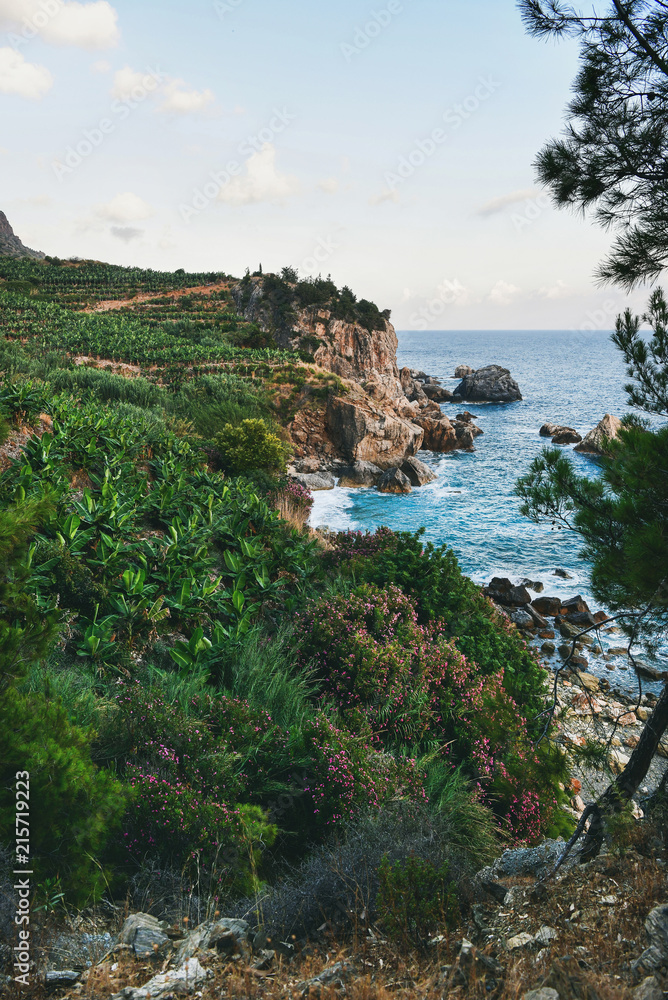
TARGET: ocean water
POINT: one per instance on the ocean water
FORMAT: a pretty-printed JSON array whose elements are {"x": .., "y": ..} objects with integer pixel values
[{"x": 566, "y": 377}]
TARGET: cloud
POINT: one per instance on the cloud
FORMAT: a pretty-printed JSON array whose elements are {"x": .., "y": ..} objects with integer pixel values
[
  {"x": 179, "y": 101},
  {"x": 126, "y": 233},
  {"x": 262, "y": 181},
  {"x": 504, "y": 294},
  {"x": 176, "y": 98},
  {"x": 558, "y": 291},
  {"x": 330, "y": 185},
  {"x": 23, "y": 79},
  {"x": 126, "y": 207},
  {"x": 498, "y": 204},
  {"x": 62, "y": 22},
  {"x": 101, "y": 66}
]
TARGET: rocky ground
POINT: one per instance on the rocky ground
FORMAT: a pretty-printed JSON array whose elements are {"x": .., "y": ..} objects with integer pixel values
[{"x": 595, "y": 932}]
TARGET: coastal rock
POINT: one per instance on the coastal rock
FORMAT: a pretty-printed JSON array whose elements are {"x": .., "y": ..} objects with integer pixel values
[
  {"x": 439, "y": 434},
  {"x": 437, "y": 393},
  {"x": 418, "y": 473},
  {"x": 492, "y": 384},
  {"x": 315, "y": 481},
  {"x": 548, "y": 430},
  {"x": 361, "y": 474},
  {"x": 594, "y": 443},
  {"x": 566, "y": 435},
  {"x": 395, "y": 481},
  {"x": 502, "y": 591},
  {"x": 463, "y": 370},
  {"x": 365, "y": 432}
]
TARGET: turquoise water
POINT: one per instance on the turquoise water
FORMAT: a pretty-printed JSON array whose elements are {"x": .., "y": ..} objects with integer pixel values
[{"x": 566, "y": 377}]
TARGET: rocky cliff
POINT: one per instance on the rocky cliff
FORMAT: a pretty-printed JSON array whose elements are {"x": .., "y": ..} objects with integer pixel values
[
  {"x": 11, "y": 245},
  {"x": 381, "y": 415}
]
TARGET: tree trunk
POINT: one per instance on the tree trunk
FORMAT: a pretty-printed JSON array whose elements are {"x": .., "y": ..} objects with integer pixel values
[{"x": 624, "y": 787}]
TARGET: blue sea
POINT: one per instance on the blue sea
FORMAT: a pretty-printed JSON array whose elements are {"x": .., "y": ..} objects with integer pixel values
[{"x": 566, "y": 377}]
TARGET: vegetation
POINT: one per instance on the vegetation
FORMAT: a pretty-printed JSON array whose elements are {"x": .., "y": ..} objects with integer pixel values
[
  {"x": 200, "y": 686},
  {"x": 612, "y": 157}
]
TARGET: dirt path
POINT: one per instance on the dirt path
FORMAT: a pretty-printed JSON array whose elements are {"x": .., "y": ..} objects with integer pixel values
[{"x": 109, "y": 305}]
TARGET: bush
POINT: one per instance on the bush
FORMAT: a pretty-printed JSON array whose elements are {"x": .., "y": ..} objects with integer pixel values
[
  {"x": 414, "y": 898},
  {"x": 251, "y": 445},
  {"x": 74, "y": 807},
  {"x": 431, "y": 576}
]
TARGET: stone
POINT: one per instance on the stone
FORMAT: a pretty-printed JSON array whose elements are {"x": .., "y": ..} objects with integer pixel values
[
  {"x": 595, "y": 442},
  {"x": 62, "y": 978},
  {"x": 178, "y": 981},
  {"x": 648, "y": 671},
  {"x": 565, "y": 650},
  {"x": 140, "y": 921},
  {"x": 438, "y": 433},
  {"x": 543, "y": 994},
  {"x": 589, "y": 682},
  {"x": 360, "y": 474},
  {"x": 649, "y": 989},
  {"x": 566, "y": 435},
  {"x": 528, "y": 861},
  {"x": 395, "y": 481},
  {"x": 315, "y": 480},
  {"x": 547, "y": 430},
  {"x": 562, "y": 573},
  {"x": 521, "y": 940},
  {"x": 492, "y": 384},
  {"x": 461, "y": 371},
  {"x": 503, "y": 591},
  {"x": 364, "y": 431},
  {"x": 617, "y": 761},
  {"x": 574, "y": 605},
  {"x": 534, "y": 585},
  {"x": 522, "y": 619},
  {"x": 334, "y": 975},
  {"x": 418, "y": 473},
  {"x": 148, "y": 941},
  {"x": 545, "y": 935},
  {"x": 437, "y": 393},
  {"x": 538, "y": 619},
  {"x": 547, "y": 606},
  {"x": 548, "y": 648}
]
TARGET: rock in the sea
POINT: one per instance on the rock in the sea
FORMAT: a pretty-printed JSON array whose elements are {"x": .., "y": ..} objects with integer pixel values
[
  {"x": 550, "y": 606},
  {"x": 502, "y": 591},
  {"x": 490, "y": 384},
  {"x": 437, "y": 393},
  {"x": 418, "y": 473},
  {"x": 566, "y": 435},
  {"x": 594, "y": 443},
  {"x": 361, "y": 474},
  {"x": 548, "y": 430},
  {"x": 439, "y": 434},
  {"x": 315, "y": 480},
  {"x": 463, "y": 370},
  {"x": 395, "y": 481}
]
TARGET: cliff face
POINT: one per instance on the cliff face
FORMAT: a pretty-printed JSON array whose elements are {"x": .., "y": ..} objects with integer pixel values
[
  {"x": 382, "y": 416},
  {"x": 11, "y": 245}
]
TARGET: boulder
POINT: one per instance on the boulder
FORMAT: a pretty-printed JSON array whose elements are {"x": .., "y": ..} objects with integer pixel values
[
  {"x": 137, "y": 922},
  {"x": 466, "y": 417},
  {"x": 365, "y": 432},
  {"x": 548, "y": 430},
  {"x": 649, "y": 989},
  {"x": 522, "y": 619},
  {"x": 439, "y": 434},
  {"x": 60, "y": 979},
  {"x": 418, "y": 473},
  {"x": 534, "y": 585},
  {"x": 546, "y": 993},
  {"x": 148, "y": 941},
  {"x": 315, "y": 481},
  {"x": 547, "y": 606},
  {"x": 437, "y": 393},
  {"x": 461, "y": 371},
  {"x": 566, "y": 435},
  {"x": 502, "y": 591},
  {"x": 594, "y": 443},
  {"x": 492, "y": 384},
  {"x": 361, "y": 474},
  {"x": 333, "y": 976},
  {"x": 179, "y": 981},
  {"x": 395, "y": 481}
]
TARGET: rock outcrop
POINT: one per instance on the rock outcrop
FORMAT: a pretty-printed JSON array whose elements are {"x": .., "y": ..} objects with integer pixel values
[
  {"x": 594, "y": 443},
  {"x": 360, "y": 474},
  {"x": 11, "y": 245},
  {"x": 491, "y": 384},
  {"x": 394, "y": 481},
  {"x": 559, "y": 434},
  {"x": 417, "y": 472},
  {"x": 366, "y": 431},
  {"x": 463, "y": 370}
]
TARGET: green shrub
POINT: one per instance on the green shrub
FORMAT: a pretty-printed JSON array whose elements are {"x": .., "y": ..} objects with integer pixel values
[
  {"x": 251, "y": 445},
  {"x": 74, "y": 807},
  {"x": 415, "y": 898}
]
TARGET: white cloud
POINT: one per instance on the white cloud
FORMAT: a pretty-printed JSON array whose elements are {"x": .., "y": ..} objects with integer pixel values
[
  {"x": 101, "y": 66},
  {"x": 558, "y": 291},
  {"x": 180, "y": 101},
  {"x": 330, "y": 185},
  {"x": 126, "y": 233},
  {"x": 126, "y": 207},
  {"x": 62, "y": 22},
  {"x": 262, "y": 181},
  {"x": 23, "y": 79},
  {"x": 125, "y": 81},
  {"x": 498, "y": 204},
  {"x": 503, "y": 294}
]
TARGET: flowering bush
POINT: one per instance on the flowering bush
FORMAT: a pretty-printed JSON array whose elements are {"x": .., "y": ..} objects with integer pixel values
[{"x": 406, "y": 685}]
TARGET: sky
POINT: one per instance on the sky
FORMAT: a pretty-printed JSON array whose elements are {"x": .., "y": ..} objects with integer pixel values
[{"x": 388, "y": 144}]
